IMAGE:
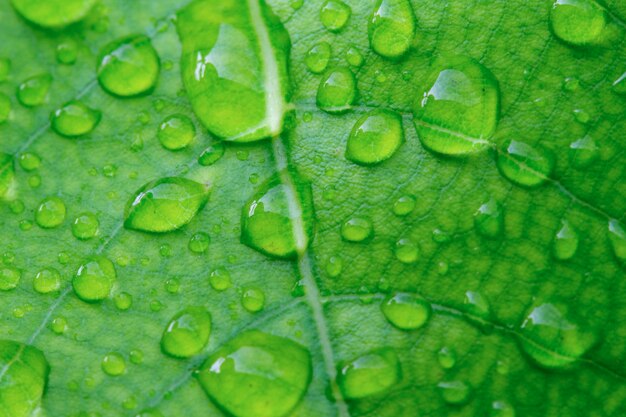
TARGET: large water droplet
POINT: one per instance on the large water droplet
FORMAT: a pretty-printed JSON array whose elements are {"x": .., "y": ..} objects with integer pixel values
[
  {"x": 9, "y": 278},
  {"x": 392, "y": 28},
  {"x": 524, "y": 164},
  {"x": 187, "y": 333},
  {"x": 578, "y": 22},
  {"x": 53, "y": 13},
  {"x": 268, "y": 219},
  {"x": 454, "y": 392},
  {"x": 34, "y": 91},
  {"x": 164, "y": 205},
  {"x": 583, "y": 152},
  {"x": 94, "y": 279},
  {"x": 375, "y": 137},
  {"x": 459, "y": 110},
  {"x": 129, "y": 66},
  {"x": 356, "y": 229},
  {"x": 316, "y": 59},
  {"x": 565, "y": 242},
  {"x": 337, "y": 91},
  {"x": 50, "y": 213},
  {"x": 85, "y": 226},
  {"x": 334, "y": 15},
  {"x": 369, "y": 374},
  {"x": 74, "y": 119},
  {"x": 47, "y": 280},
  {"x": 406, "y": 311},
  {"x": 176, "y": 132},
  {"x": 617, "y": 237},
  {"x": 7, "y": 173},
  {"x": 113, "y": 364},
  {"x": 24, "y": 378},
  {"x": 488, "y": 220},
  {"x": 275, "y": 372}
]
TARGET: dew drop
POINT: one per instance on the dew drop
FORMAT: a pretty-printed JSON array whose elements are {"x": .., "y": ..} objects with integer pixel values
[
  {"x": 58, "y": 325},
  {"x": 275, "y": 372},
  {"x": 67, "y": 52},
  {"x": 583, "y": 152},
  {"x": 85, "y": 226},
  {"x": 334, "y": 266},
  {"x": 316, "y": 59},
  {"x": 525, "y": 165},
  {"x": 113, "y": 364},
  {"x": 212, "y": 154},
  {"x": 334, "y": 15},
  {"x": 446, "y": 358},
  {"x": 29, "y": 161},
  {"x": 407, "y": 251},
  {"x": 356, "y": 229},
  {"x": 617, "y": 237},
  {"x": 199, "y": 242},
  {"x": 123, "y": 301},
  {"x": 47, "y": 280},
  {"x": 477, "y": 309},
  {"x": 502, "y": 409},
  {"x": 370, "y": 374},
  {"x": 9, "y": 278},
  {"x": 165, "y": 205},
  {"x": 136, "y": 356},
  {"x": 375, "y": 137},
  {"x": 565, "y": 242},
  {"x": 176, "y": 132},
  {"x": 488, "y": 220},
  {"x": 220, "y": 279},
  {"x": 455, "y": 392},
  {"x": 253, "y": 299},
  {"x": 74, "y": 119},
  {"x": 392, "y": 28},
  {"x": 187, "y": 333},
  {"x": 7, "y": 173},
  {"x": 5, "y": 107},
  {"x": 578, "y": 22},
  {"x": 354, "y": 57},
  {"x": 406, "y": 311},
  {"x": 34, "y": 90},
  {"x": 50, "y": 213},
  {"x": 128, "y": 67},
  {"x": 53, "y": 14},
  {"x": 571, "y": 84},
  {"x": 337, "y": 91},
  {"x": 404, "y": 205},
  {"x": 94, "y": 279}
]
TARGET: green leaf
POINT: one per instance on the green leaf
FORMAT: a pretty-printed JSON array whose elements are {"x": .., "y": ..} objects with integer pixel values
[{"x": 415, "y": 208}]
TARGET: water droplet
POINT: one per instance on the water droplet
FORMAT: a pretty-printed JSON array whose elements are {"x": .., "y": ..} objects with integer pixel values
[
  {"x": 375, "y": 137},
  {"x": 578, "y": 22},
  {"x": 253, "y": 300},
  {"x": 187, "y": 333},
  {"x": 454, "y": 392},
  {"x": 316, "y": 59},
  {"x": 58, "y": 325},
  {"x": 50, "y": 213},
  {"x": 220, "y": 279},
  {"x": 275, "y": 371},
  {"x": 136, "y": 356},
  {"x": 551, "y": 336},
  {"x": 176, "y": 132},
  {"x": 128, "y": 67},
  {"x": 53, "y": 13},
  {"x": 477, "y": 310},
  {"x": 5, "y": 107},
  {"x": 392, "y": 28},
  {"x": 354, "y": 57},
  {"x": 34, "y": 181},
  {"x": 67, "y": 52},
  {"x": 571, "y": 84},
  {"x": 582, "y": 116},
  {"x": 441, "y": 236},
  {"x": 34, "y": 91},
  {"x": 458, "y": 112},
  {"x": 113, "y": 364},
  {"x": 24, "y": 377},
  {"x": 123, "y": 301},
  {"x": 617, "y": 237},
  {"x": 565, "y": 242},
  {"x": 199, "y": 242},
  {"x": 583, "y": 152},
  {"x": 356, "y": 229},
  {"x": 525, "y": 165},
  {"x": 406, "y": 311},
  {"x": 407, "y": 251},
  {"x": 337, "y": 91},
  {"x": 85, "y": 226},
  {"x": 446, "y": 358},
  {"x": 370, "y": 374},
  {"x": 334, "y": 15},
  {"x": 489, "y": 220},
  {"x": 334, "y": 266},
  {"x": 94, "y": 279},
  {"x": 619, "y": 85},
  {"x": 5, "y": 69},
  {"x": 9, "y": 278},
  {"x": 74, "y": 119},
  {"x": 47, "y": 280},
  {"x": 212, "y": 154},
  {"x": 29, "y": 161},
  {"x": 164, "y": 205},
  {"x": 502, "y": 409},
  {"x": 267, "y": 219},
  {"x": 404, "y": 205}
]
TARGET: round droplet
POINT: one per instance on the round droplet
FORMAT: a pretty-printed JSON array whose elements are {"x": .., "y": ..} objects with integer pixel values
[
  {"x": 354, "y": 57},
  {"x": 356, "y": 229},
  {"x": 446, "y": 358},
  {"x": 502, "y": 409},
  {"x": 47, "y": 280},
  {"x": 136, "y": 356},
  {"x": 74, "y": 119},
  {"x": 370, "y": 374},
  {"x": 525, "y": 165},
  {"x": 404, "y": 205},
  {"x": 316, "y": 59},
  {"x": 489, "y": 220},
  {"x": 392, "y": 28},
  {"x": 58, "y": 325},
  {"x": 583, "y": 152},
  {"x": 199, "y": 242},
  {"x": 337, "y": 91},
  {"x": 67, "y": 52},
  {"x": 454, "y": 392},
  {"x": 334, "y": 15},
  {"x": 172, "y": 286},
  {"x": 128, "y": 67},
  {"x": 406, "y": 311},
  {"x": 113, "y": 364},
  {"x": 275, "y": 372},
  {"x": 212, "y": 154},
  {"x": 29, "y": 161},
  {"x": 53, "y": 13},
  {"x": 176, "y": 132},
  {"x": 459, "y": 109},
  {"x": 187, "y": 333},
  {"x": 552, "y": 336},
  {"x": 34, "y": 91},
  {"x": 94, "y": 279},
  {"x": 85, "y": 226},
  {"x": 5, "y": 107},
  {"x": 50, "y": 213},
  {"x": 9, "y": 278},
  {"x": 565, "y": 242},
  {"x": 123, "y": 301},
  {"x": 375, "y": 137},
  {"x": 578, "y": 22},
  {"x": 407, "y": 251},
  {"x": 220, "y": 279},
  {"x": 334, "y": 266},
  {"x": 253, "y": 299},
  {"x": 617, "y": 237},
  {"x": 165, "y": 205}
]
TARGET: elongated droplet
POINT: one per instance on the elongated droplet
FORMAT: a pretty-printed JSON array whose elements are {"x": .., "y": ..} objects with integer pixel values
[
  {"x": 356, "y": 229},
  {"x": 370, "y": 374},
  {"x": 525, "y": 165},
  {"x": 34, "y": 91},
  {"x": 50, "y": 213},
  {"x": 488, "y": 220},
  {"x": 454, "y": 392},
  {"x": 268, "y": 219},
  {"x": 129, "y": 66},
  {"x": 406, "y": 311},
  {"x": 94, "y": 279},
  {"x": 234, "y": 67},
  {"x": 458, "y": 112},
  {"x": 565, "y": 242},
  {"x": 392, "y": 28},
  {"x": 7, "y": 173},
  {"x": 164, "y": 205},
  {"x": 74, "y": 119},
  {"x": 617, "y": 237},
  {"x": 316, "y": 59},
  {"x": 24, "y": 377},
  {"x": 275, "y": 372},
  {"x": 187, "y": 333},
  {"x": 334, "y": 15},
  {"x": 583, "y": 152},
  {"x": 337, "y": 91},
  {"x": 176, "y": 132},
  {"x": 375, "y": 137},
  {"x": 53, "y": 13},
  {"x": 578, "y": 22}
]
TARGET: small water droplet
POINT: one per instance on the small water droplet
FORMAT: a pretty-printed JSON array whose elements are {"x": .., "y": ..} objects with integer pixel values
[
  {"x": 356, "y": 229},
  {"x": 199, "y": 242},
  {"x": 212, "y": 154},
  {"x": 525, "y": 165},
  {"x": 50, "y": 212},
  {"x": 583, "y": 152},
  {"x": 47, "y": 280},
  {"x": 94, "y": 279},
  {"x": 34, "y": 90},
  {"x": 617, "y": 237},
  {"x": 407, "y": 251},
  {"x": 446, "y": 358},
  {"x": 582, "y": 116},
  {"x": 337, "y": 91},
  {"x": 187, "y": 333},
  {"x": 316, "y": 59},
  {"x": 136, "y": 356},
  {"x": 502, "y": 409},
  {"x": 176, "y": 132},
  {"x": 370, "y": 374},
  {"x": 578, "y": 22},
  {"x": 477, "y": 309},
  {"x": 354, "y": 57},
  {"x": 441, "y": 236},
  {"x": 565, "y": 242},
  {"x": 85, "y": 226},
  {"x": 571, "y": 84},
  {"x": 334, "y": 266},
  {"x": 113, "y": 364},
  {"x": 74, "y": 119},
  {"x": 220, "y": 279},
  {"x": 406, "y": 311},
  {"x": 253, "y": 299},
  {"x": 404, "y": 205},
  {"x": 9, "y": 278},
  {"x": 29, "y": 161},
  {"x": 489, "y": 220},
  {"x": 58, "y": 325},
  {"x": 123, "y": 301},
  {"x": 54, "y": 14},
  {"x": 172, "y": 286},
  {"x": 334, "y": 15},
  {"x": 375, "y": 137},
  {"x": 455, "y": 392},
  {"x": 67, "y": 52},
  {"x": 392, "y": 28}
]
